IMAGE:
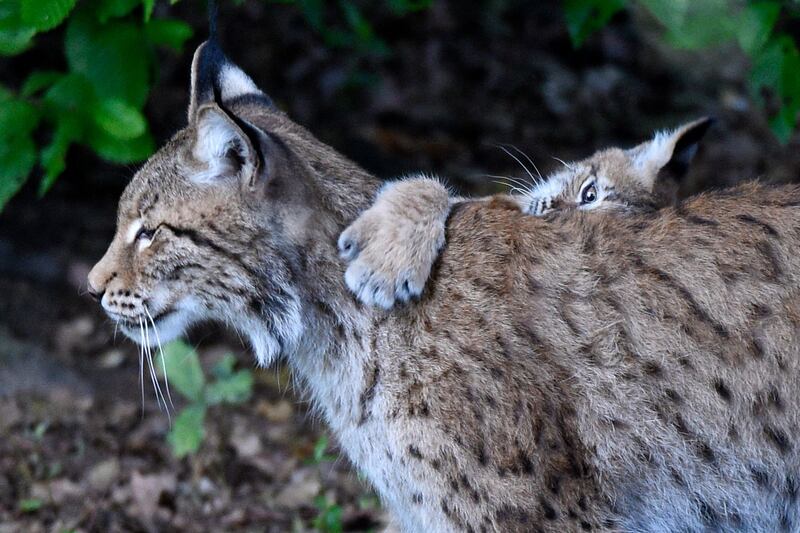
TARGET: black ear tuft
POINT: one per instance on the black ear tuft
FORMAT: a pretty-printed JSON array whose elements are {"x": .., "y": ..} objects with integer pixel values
[
  {"x": 686, "y": 144},
  {"x": 214, "y": 77},
  {"x": 206, "y": 65}
]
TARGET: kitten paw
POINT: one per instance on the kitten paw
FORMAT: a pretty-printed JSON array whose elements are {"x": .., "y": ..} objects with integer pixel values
[{"x": 392, "y": 246}]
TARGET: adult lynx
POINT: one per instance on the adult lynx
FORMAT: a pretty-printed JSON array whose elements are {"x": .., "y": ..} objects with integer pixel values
[{"x": 584, "y": 373}]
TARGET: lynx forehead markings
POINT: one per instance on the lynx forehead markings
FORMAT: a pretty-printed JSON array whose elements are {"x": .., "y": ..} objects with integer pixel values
[{"x": 542, "y": 383}]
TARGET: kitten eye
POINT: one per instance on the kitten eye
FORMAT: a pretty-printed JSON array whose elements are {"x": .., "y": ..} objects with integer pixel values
[
  {"x": 589, "y": 194},
  {"x": 145, "y": 233}
]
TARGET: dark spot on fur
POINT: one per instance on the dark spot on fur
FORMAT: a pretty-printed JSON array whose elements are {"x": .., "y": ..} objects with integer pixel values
[
  {"x": 700, "y": 221},
  {"x": 749, "y": 219},
  {"x": 673, "y": 396},
  {"x": 414, "y": 452},
  {"x": 722, "y": 390},
  {"x": 368, "y": 394},
  {"x": 707, "y": 514},
  {"x": 760, "y": 477},
  {"x": 778, "y": 439},
  {"x": 652, "y": 368},
  {"x": 547, "y": 509}
]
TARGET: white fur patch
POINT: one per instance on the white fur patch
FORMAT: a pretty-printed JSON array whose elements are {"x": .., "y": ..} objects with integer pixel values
[
  {"x": 133, "y": 230},
  {"x": 656, "y": 153},
  {"x": 234, "y": 82},
  {"x": 215, "y": 136},
  {"x": 550, "y": 188}
]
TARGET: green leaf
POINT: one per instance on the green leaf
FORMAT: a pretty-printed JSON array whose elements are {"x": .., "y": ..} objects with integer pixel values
[
  {"x": 149, "y": 5},
  {"x": 108, "y": 9},
  {"x": 755, "y": 25},
  {"x": 53, "y": 156},
  {"x": 39, "y": 80},
  {"x": 777, "y": 67},
  {"x": 111, "y": 56},
  {"x": 687, "y": 21},
  {"x": 45, "y": 14},
  {"x": 119, "y": 119},
  {"x": 71, "y": 93},
  {"x": 183, "y": 369},
  {"x": 585, "y": 17},
  {"x": 187, "y": 433},
  {"x": 234, "y": 389},
  {"x": 120, "y": 151},
  {"x": 15, "y": 36},
  {"x": 224, "y": 367},
  {"x": 17, "y": 118},
  {"x": 17, "y": 158},
  {"x": 168, "y": 32},
  {"x": 30, "y": 505}
]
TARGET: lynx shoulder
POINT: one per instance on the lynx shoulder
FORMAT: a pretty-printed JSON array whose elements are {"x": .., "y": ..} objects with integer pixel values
[{"x": 392, "y": 246}]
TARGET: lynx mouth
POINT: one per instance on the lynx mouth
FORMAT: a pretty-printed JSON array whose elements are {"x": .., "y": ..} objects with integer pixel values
[{"x": 132, "y": 324}]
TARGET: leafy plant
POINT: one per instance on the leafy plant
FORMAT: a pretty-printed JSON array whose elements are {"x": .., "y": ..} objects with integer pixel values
[
  {"x": 97, "y": 102},
  {"x": 319, "y": 455},
  {"x": 30, "y": 505},
  {"x": 185, "y": 374},
  {"x": 697, "y": 24},
  {"x": 329, "y": 517}
]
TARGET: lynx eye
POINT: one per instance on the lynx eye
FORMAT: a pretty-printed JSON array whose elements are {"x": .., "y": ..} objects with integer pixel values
[
  {"x": 589, "y": 193},
  {"x": 145, "y": 233}
]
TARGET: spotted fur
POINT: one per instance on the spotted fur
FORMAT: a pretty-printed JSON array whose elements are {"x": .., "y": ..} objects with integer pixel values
[
  {"x": 584, "y": 373},
  {"x": 392, "y": 246}
]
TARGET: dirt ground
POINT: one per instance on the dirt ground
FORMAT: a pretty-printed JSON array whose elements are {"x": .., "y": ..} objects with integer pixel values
[{"x": 79, "y": 448}]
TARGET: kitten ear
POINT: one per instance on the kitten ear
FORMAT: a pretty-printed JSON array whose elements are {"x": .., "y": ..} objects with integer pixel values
[
  {"x": 223, "y": 147},
  {"x": 217, "y": 79},
  {"x": 669, "y": 152}
]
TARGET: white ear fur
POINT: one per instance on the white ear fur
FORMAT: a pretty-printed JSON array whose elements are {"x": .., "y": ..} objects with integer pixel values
[
  {"x": 214, "y": 76},
  {"x": 678, "y": 146},
  {"x": 233, "y": 82},
  {"x": 222, "y": 146}
]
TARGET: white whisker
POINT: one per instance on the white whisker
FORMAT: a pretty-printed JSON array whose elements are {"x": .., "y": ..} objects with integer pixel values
[
  {"x": 161, "y": 353},
  {"x": 524, "y": 187},
  {"x": 526, "y": 156},
  {"x": 518, "y": 160},
  {"x": 153, "y": 376},
  {"x": 141, "y": 363},
  {"x": 569, "y": 167}
]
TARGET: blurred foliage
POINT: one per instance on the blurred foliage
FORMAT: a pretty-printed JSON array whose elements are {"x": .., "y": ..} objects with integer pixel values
[
  {"x": 329, "y": 515},
  {"x": 110, "y": 49},
  {"x": 180, "y": 363},
  {"x": 698, "y": 24},
  {"x": 110, "y": 55}
]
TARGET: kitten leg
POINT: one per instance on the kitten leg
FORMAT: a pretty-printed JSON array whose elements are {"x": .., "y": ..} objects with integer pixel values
[{"x": 392, "y": 245}]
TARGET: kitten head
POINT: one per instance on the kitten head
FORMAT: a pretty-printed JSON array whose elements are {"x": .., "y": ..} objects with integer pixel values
[
  {"x": 615, "y": 178},
  {"x": 215, "y": 225}
]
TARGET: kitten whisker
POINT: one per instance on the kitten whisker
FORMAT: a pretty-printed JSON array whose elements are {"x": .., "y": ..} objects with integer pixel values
[{"x": 518, "y": 160}]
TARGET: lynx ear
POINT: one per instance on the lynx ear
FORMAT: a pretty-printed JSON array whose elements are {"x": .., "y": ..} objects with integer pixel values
[
  {"x": 223, "y": 147},
  {"x": 216, "y": 79},
  {"x": 669, "y": 152}
]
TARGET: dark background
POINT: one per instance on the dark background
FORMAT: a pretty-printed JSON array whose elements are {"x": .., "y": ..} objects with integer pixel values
[{"x": 461, "y": 77}]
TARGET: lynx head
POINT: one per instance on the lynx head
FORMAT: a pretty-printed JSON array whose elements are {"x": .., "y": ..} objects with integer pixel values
[
  {"x": 616, "y": 178},
  {"x": 215, "y": 225}
]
